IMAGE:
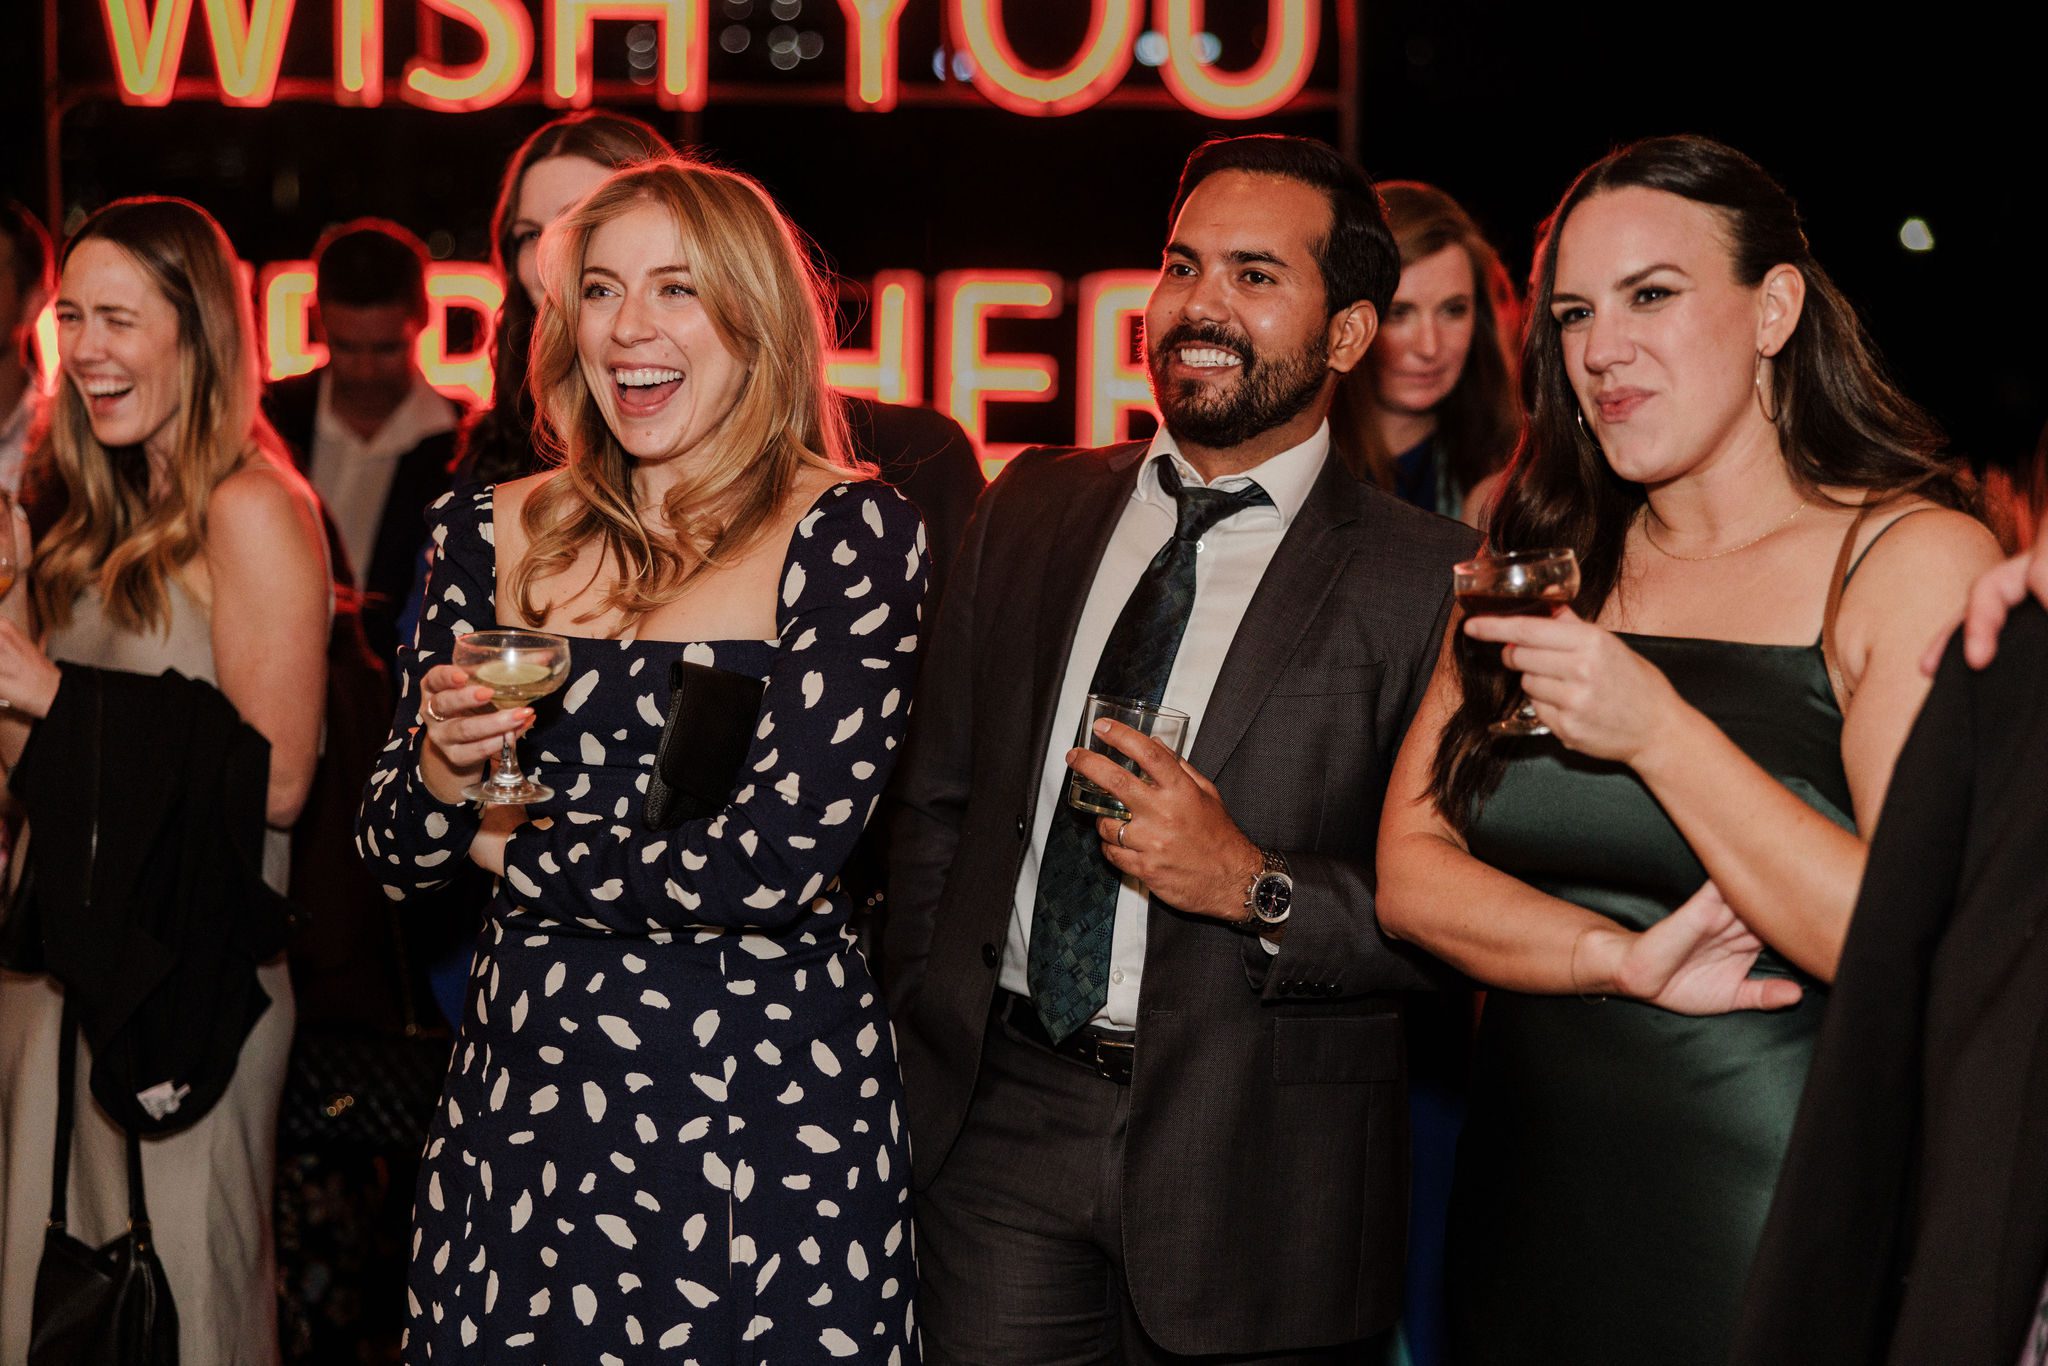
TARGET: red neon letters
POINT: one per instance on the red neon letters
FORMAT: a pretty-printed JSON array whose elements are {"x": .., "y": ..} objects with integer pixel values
[
  {"x": 871, "y": 81},
  {"x": 359, "y": 52},
  {"x": 247, "y": 37},
  {"x": 285, "y": 289},
  {"x": 1104, "y": 58},
  {"x": 891, "y": 366},
  {"x": 507, "y": 35},
  {"x": 968, "y": 374},
  {"x": 147, "y": 39},
  {"x": 1110, "y": 384},
  {"x": 685, "y": 27},
  {"x": 1267, "y": 85}
]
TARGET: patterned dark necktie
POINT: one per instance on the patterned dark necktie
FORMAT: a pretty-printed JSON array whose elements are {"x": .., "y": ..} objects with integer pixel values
[{"x": 1068, "y": 962}]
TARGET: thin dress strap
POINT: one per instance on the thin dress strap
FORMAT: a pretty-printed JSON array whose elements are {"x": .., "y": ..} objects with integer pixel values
[{"x": 1845, "y": 570}]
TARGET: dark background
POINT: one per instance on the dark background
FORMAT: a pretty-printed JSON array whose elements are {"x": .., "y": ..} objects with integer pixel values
[{"x": 1867, "y": 121}]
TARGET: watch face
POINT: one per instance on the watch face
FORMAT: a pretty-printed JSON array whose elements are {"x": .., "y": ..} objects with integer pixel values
[{"x": 1272, "y": 897}]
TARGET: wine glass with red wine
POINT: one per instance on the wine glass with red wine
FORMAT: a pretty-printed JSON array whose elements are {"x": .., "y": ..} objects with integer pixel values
[{"x": 1520, "y": 583}]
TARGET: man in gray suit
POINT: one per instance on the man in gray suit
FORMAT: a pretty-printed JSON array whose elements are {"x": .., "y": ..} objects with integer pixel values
[{"x": 1154, "y": 1066}]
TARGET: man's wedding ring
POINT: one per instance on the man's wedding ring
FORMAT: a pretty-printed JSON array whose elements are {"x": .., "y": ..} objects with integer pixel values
[{"x": 1121, "y": 827}]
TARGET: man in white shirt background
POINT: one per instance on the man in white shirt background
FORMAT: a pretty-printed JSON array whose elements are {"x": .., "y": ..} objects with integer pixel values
[
  {"x": 27, "y": 278},
  {"x": 374, "y": 437}
]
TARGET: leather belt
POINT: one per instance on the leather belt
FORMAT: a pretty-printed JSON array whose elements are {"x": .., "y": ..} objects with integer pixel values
[{"x": 1108, "y": 1053}]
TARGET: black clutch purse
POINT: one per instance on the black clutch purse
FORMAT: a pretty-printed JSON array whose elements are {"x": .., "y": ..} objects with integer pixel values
[{"x": 712, "y": 716}]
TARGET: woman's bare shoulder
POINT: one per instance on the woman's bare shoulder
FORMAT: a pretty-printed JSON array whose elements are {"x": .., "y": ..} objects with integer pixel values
[
  {"x": 264, "y": 498},
  {"x": 511, "y": 495}
]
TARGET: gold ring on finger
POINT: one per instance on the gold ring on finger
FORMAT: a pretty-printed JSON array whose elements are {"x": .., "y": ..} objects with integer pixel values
[
  {"x": 1122, "y": 826},
  {"x": 431, "y": 714}
]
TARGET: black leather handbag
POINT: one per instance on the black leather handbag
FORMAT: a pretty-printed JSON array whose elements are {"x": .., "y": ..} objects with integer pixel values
[
  {"x": 712, "y": 716},
  {"x": 105, "y": 1306}
]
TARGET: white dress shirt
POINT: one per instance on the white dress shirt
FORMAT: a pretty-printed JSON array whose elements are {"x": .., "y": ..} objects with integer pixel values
[
  {"x": 1231, "y": 559},
  {"x": 354, "y": 474}
]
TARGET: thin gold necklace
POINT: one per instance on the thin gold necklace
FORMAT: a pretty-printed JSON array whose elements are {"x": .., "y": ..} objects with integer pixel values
[{"x": 1773, "y": 530}]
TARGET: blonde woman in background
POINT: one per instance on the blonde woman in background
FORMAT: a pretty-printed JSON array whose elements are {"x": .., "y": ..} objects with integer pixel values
[{"x": 186, "y": 543}]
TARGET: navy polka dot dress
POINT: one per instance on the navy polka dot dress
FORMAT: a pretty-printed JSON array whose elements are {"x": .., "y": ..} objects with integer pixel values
[{"x": 672, "y": 1128}]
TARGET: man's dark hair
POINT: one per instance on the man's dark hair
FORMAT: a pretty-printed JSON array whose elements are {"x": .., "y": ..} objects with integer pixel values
[
  {"x": 369, "y": 262},
  {"x": 32, "y": 254},
  {"x": 1358, "y": 258}
]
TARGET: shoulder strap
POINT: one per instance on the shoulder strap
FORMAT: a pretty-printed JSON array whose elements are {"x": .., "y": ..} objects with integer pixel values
[
  {"x": 1838, "y": 579},
  {"x": 67, "y": 1083},
  {"x": 1845, "y": 570}
]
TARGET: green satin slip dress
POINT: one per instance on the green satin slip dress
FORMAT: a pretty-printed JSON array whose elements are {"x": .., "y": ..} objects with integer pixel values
[{"x": 1618, "y": 1160}]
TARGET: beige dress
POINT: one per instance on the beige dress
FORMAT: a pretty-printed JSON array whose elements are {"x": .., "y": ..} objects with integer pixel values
[{"x": 209, "y": 1187}]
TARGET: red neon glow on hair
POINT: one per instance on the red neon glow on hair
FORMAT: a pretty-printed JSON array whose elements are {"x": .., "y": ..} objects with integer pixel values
[
  {"x": 286, "y": 293},
  {"x": 359, "y": 52},
  {"x": 1111, "y": 386},
  {"x": 247, "y": 38},
  {"x": 871, "y": 80},
  {"x": 1007, "y": 82},
  {"x": 451, "y": 285},
  {"x": 1268, "y": 84},
  {"x": 685, "y": 28},
  {"x": 969, "y": 375},
  {"x": 507, "y": 35},
  {"x": 891, "y": 366}
]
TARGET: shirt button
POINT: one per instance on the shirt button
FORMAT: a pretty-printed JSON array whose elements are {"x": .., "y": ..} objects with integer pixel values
[{"x": 1117, "y": 976}]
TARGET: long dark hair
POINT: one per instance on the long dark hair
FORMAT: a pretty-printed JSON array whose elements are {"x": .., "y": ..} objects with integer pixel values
[
  {"x": 1477, "y": 422},
  {"x": 497, "y": 444},
  {"x": 1841, "y": 421}
]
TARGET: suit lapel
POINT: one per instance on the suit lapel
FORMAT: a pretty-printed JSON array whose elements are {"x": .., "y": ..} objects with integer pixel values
[
  {"x": 1296, "y": 582},
  {"x": 1073, "y": 552}
]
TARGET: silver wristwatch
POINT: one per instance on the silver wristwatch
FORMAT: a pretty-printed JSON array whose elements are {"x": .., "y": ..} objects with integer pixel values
[{"x": 1270, "y": 895}]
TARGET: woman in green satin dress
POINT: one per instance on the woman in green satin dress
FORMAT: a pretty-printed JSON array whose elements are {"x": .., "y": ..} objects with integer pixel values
[{"x": 1656, "y": 893}]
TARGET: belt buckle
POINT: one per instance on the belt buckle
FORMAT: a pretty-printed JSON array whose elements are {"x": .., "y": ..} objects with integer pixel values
[{"x": 1114, "y": 1059}]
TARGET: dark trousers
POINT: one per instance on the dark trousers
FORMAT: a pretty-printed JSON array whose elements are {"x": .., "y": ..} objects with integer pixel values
[{"x": 1020, "y": 1238}]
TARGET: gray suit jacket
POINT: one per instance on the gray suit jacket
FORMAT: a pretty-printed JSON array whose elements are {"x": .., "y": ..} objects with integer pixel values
[{"x": 1265, "y": 1163}]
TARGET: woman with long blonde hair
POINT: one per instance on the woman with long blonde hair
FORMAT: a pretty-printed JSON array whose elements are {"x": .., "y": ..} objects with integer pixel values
[
  {"x": 673, "y": 1116},
  {"x": 185, "y": 543}
]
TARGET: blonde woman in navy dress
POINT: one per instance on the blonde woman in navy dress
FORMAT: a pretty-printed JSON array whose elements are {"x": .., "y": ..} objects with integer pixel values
[{"x": 673, "y": 1118}]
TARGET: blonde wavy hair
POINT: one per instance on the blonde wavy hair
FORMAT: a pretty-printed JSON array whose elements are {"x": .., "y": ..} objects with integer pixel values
[
  {"x": 754, "y": 274},
  {"x": 113, "y": 535}
]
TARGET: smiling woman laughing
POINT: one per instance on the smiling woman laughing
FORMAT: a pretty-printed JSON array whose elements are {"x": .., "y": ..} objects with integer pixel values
[{"x": 674, "y": 1111}]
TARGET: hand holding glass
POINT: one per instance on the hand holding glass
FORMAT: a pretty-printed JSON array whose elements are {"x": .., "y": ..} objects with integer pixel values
[
  {"x": 518, "y": 667},
  {"x": 1522, "y": 583},
  {"x": 1167, "y": 726}
]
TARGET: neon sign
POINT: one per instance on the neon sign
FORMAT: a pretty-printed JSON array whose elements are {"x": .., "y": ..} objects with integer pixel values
[
  {"x": 246, "y": 39},
  {"x": 284, "y": 293},
  {"x": 248, "y": 46},
  {"x": 1109, "y": 385}
]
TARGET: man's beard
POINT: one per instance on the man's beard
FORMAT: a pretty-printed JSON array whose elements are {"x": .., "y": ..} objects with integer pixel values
[{"x": 1269, "y": 391}]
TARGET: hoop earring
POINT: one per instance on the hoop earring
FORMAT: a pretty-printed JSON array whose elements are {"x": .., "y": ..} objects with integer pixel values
[
  {"x": 1579, "y": 415},
  {"x": 1757, "y": 383}
]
